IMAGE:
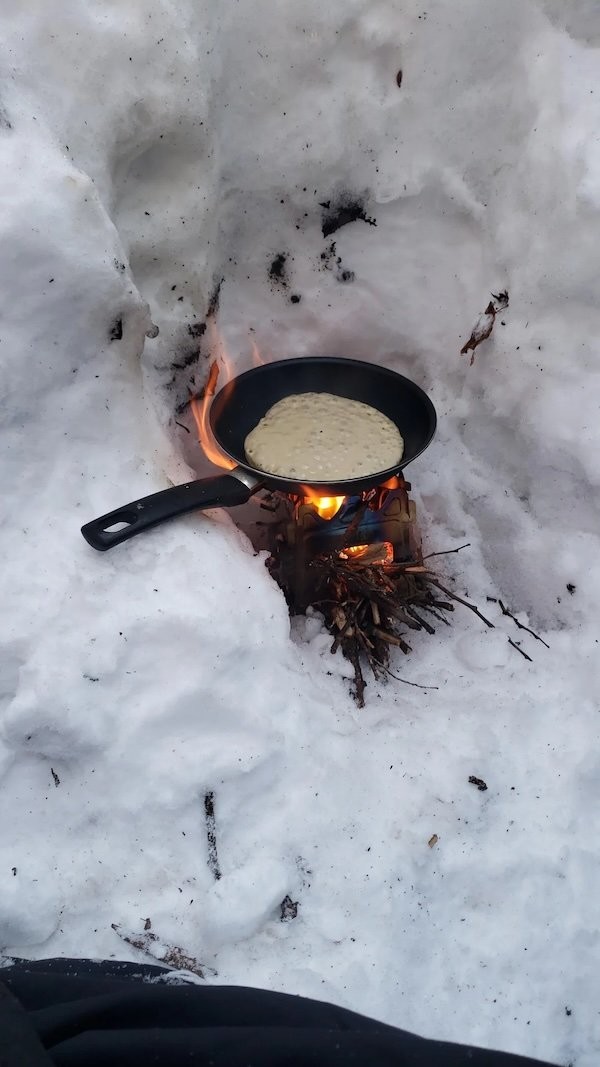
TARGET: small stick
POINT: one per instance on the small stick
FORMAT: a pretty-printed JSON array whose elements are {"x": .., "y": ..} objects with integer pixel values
[
  {"x": 359, "y": 681},
  {"x": 520, "y": 625},
  {"x": 402, "y": 616},
  {"x": 211, "y": 834},
  {"x": 390, "y": 639},
  {"x": 436, "y": 614},
  {"x": 182, "y": 427},
  {"x": 448, "y": 551},
  {"x": 459, "y": 600},
  {"x": 415, "y": 615},
  {"x": 375, "y": 613},
  {"x": 404, "y": 680},
  {"x": 524, "y": 654}
]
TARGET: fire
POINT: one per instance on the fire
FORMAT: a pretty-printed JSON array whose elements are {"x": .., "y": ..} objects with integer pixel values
[
  {"x": 257, "y": 359},
  {"x": 378, "y": 553},
  {"x": 200, "y": 406},
  {"x": 325, "y": 506}
]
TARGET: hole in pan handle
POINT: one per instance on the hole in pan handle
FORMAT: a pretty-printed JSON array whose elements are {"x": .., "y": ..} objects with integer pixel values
[{"x": 222, "y": 491}]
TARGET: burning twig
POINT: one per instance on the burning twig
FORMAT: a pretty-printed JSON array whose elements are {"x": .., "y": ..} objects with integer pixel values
[
  {"x": 211, "y": 834},
  {"x": 520, "y": 625},
  {"x": 485, "y": 324}
]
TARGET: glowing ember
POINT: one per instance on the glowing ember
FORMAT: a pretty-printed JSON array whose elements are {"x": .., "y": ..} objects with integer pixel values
[
  {"x": 379, "y": 553},
  {"x": 200, "y": 408},
  {"x": 325, "y": 506}
]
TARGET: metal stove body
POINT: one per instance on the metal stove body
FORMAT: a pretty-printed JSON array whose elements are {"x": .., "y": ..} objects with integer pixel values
[{"x": 378, "y": 527}]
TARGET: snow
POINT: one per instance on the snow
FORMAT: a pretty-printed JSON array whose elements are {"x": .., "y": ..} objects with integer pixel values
[{"x": 149, "y": 150}]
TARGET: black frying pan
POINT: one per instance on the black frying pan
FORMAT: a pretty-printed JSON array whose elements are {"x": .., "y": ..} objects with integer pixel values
[{"x": 237, "y": 409}]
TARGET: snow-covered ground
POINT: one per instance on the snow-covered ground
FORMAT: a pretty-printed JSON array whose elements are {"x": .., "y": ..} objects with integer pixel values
[{"x": 149, "y": 149}]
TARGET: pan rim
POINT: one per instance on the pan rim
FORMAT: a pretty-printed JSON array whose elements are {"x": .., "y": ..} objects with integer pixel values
[{"x": 327, "y": 487}]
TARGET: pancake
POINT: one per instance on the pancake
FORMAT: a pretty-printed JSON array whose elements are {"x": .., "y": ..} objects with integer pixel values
[{"x": 321, "y": 437}]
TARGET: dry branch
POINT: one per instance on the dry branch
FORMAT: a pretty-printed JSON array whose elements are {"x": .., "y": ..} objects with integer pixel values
[
  {"x": 519, "y": 649},
  {"x": 211, "y": 834},
  {"x": 169, "y": 955},
  {"x": 368, "y": 607},
  {"x": 520, "y": 625},
  {"x": 460, "y": 600}
]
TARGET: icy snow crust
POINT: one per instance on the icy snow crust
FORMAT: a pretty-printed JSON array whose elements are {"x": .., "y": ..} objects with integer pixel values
[{"x": 148, "y": 150}]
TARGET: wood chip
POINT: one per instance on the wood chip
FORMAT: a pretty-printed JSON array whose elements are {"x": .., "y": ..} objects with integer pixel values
[{"x": 479, "y": 782}]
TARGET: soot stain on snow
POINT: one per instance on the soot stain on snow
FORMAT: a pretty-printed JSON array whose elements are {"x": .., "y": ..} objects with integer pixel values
[
  {"x": 55, "y": 776},
  {"x": 5, "y": 123},
  {"x": 278, "y": 270},
  {"x": 571, "y": 588},
  {"x": 190, "y": 354},
  {"x": 215, "y": 297},
  {"x": 190, "y": 357},
  {"x": 187, "y": 360},
  {"x": 289, "y": 909},
  {"x": 295, "y": 298},
  {"x": 116, "y": 330},
  {"x": 341, "y": 210},
  {"x": 197, "y": 329},
  {"x": 332, "y": 262}
]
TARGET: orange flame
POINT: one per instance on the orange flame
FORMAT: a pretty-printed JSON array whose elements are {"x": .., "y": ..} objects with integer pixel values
[
  {"x": 325, "y": 506},
  {"x": 378, "y": 553},
  {"x": 257, "y": 359},
  {"x": 200, "y": 406}
]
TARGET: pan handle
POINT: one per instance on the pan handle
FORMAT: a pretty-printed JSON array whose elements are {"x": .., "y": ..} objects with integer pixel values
[{"x": 222, "y": 491}]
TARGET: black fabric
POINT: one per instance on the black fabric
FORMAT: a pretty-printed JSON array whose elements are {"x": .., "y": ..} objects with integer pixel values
[
  {"x": 107, "y": 1014},
  {"x": 19, "y": 1043}
]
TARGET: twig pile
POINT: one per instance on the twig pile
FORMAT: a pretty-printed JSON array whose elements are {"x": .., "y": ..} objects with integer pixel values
[{"x": 369, "y": 609}]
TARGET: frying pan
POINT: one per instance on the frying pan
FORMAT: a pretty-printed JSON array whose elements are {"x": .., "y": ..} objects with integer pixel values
[{"x": 237, "y": 409}]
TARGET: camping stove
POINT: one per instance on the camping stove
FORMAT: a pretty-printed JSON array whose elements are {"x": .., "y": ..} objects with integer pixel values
[{"x": 378, "y": 527}]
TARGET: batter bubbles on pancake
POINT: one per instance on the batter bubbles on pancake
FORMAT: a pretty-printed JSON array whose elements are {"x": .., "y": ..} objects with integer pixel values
[{"x": 321, "y": 437}]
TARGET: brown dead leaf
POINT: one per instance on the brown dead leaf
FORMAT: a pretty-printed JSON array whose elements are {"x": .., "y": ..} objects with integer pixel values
[
  {"x": 485, "y": 324},
  {"x": 480, "y": 332}
]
